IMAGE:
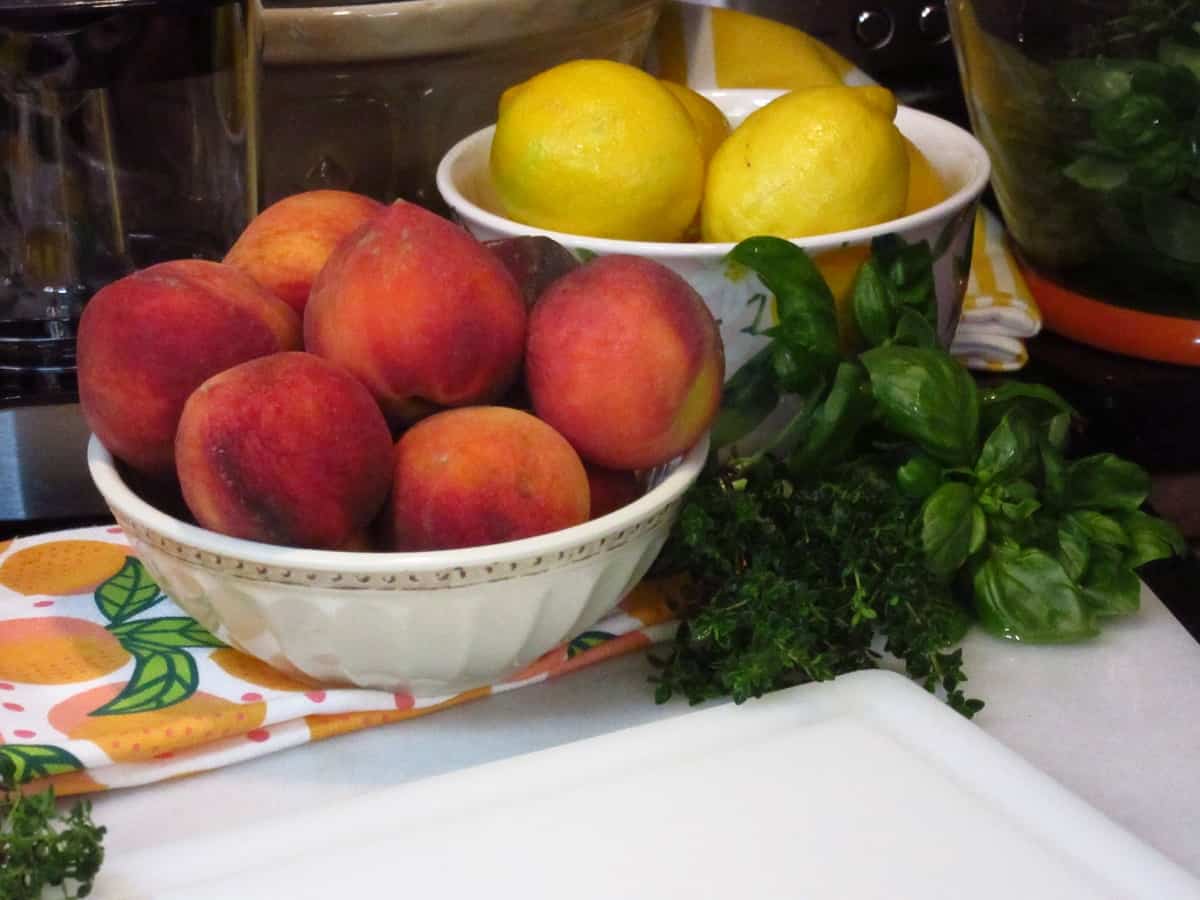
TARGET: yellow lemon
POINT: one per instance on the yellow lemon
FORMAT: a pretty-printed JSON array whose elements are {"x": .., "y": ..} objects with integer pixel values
[
  {"x": 711, "y": 125},
  {"x": 753, "y": 52},
  {"x": 811, "y": 162},
  {"x": 878, "y": 98},
  {"x": 925, "y": 185},
  {"x": 507, "y": 97},
  {"x": 598, "y": 148}
]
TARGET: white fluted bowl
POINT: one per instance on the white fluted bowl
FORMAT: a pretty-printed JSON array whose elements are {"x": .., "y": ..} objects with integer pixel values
[{"x": 432, "y": 624}]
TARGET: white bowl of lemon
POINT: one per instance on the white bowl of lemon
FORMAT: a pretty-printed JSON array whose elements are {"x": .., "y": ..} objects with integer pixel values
[{"x": 745, "y": 187}]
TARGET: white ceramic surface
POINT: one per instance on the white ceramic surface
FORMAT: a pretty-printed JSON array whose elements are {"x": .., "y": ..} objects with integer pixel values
[
  {"x": 862, "y": 788},
  {"x": 432, "y": 624},
  {"x": 464, "y": 180}
]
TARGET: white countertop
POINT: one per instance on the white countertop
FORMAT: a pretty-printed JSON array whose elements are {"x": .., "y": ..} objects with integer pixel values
[{"x": 1116, "y": 721}]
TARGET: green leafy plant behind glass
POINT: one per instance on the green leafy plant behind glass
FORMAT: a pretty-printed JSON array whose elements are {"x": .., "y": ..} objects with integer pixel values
[{"x": 1138, "y": 93}]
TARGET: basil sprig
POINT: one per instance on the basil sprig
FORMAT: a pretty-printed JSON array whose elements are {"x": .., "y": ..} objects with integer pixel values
[{"x": 1041, "y": 546}]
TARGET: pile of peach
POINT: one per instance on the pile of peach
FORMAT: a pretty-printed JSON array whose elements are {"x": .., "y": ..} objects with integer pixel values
[{"x": 362, "y": 376}]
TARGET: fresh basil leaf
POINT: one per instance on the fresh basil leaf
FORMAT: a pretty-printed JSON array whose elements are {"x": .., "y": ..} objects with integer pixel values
[
  {"x": 919, "y": 477},
  {"x": 1111, "y": 588},
  {"x": 1174, "y": 84},
  {"x": 1093, "y": 82},
  {"x": 979, "y": 531},
  {"x": 1105, "y": 481},
  {"x": 1098, "y": 173},
  {"x": 807, "y": 328},
  {"x": 1163, "y": 169},
  {"x": 996, "y": 400},
  {"x": 1176, "y": 53},
  {"x": 803, "y": 408},
  {"x": 1024, "y": 594},
  {"x": 948, "y": 526},
  {"x": 836, "y": 422},
  {"x": 1074, "y": 549},
  {"x": 927, "y": 396},
  {"x": 1010, "y": 451},
  {"x": 1133, "y": 122},
  {"x": 1151, "y": 538},
  {"x": 795, "y": 372},
  {"x": 1015, "y": 501},
  {"x": 874, "y": 308},
  {"x": 746, "y": 400},
  {"x": 914, "y": 330},
  {"x": 1099, "y": 528},
  {"x": 1058, "y": 431},
  {"x": 908, "y": 270},
  {"x": 1054, "y": 476}
]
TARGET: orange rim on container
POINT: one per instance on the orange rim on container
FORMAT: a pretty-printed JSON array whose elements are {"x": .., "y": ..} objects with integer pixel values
[{"x": 1117, "y": 328}]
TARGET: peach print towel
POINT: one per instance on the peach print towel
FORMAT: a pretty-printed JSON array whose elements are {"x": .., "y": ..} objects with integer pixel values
[{"x": 105, "y": 683}]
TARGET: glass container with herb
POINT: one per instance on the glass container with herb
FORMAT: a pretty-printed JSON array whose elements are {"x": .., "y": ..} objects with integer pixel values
[{"x": 1090, "y": 110}]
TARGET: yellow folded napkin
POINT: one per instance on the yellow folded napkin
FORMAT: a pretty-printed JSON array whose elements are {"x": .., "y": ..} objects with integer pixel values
[
  {"x": 709, "y": 48},
  {"x": 106, "y": 683},
  {"x": 998, "y": 309}
]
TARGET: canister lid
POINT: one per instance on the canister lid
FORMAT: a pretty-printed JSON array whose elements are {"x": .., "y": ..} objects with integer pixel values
[{"x": 18, "y": 9}]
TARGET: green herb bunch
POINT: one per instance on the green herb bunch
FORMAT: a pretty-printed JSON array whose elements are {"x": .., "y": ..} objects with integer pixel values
[
  {"x": 799, "y": 576},
  {"x": 900, "y": 501},
  {"x": 1137, "y": 92},
  {"x": 41, "y": 847}
]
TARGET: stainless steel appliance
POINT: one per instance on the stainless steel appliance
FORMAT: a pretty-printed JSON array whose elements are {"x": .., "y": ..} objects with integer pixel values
[
  {"x": 905, "y": 44},
  {"x": 128, "y": 130}
]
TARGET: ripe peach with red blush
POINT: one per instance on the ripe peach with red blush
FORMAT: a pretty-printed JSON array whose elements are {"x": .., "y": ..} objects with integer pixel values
[
  {"x": 420, "y": 312},
  {"x": 289, "y": 449},
  {"x": 483, "y": 475},
  {"x": 610, "y": 489},
  {"x": 149, "y": 339},
  {"x": 626, "y": 361},
  {"x": 288, "y": 243}
]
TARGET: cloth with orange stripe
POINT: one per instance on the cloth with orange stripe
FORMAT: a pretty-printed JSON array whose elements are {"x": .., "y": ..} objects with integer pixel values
[
  {"x": 106, "y": 683},
  {"x": 707, "y": 47}
]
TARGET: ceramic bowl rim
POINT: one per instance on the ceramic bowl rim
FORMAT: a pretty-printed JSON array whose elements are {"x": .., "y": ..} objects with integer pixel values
[
  {"x": 118, "y": 495},
  {"x": 679, "y": 251}
]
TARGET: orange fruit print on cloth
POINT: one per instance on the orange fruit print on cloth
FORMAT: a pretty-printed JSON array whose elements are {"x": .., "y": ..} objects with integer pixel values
[{"x": 106, "y": 683}]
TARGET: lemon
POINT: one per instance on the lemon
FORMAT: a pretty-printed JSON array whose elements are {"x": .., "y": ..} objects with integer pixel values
[
  {"x": 878, "y": 98},
  {"x": 925, "y": 185},
  {"x": 754, "y": 52},
  {"x": 811, "y": 162},
  {"x": 711, "y": 125},
  {"x": 597, "y": 148}
]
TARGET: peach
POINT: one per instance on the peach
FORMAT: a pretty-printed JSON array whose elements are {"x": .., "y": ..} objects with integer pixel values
[
  {"x": 534, "y": 261},
  {"x": 289, "y": 449},
  {"x": 286, "y": 245},
  {"x": 420, "y": 312},
  {"x": 610, "y": 489},
  {"x": 149, "y": 339},
  {"x": 483, "y": 475},
  {"x": 625, "y": 361}
]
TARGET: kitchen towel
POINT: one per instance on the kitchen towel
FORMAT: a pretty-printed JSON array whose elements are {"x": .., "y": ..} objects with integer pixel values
[
  {"x": 708, "y": 48},
  {"x": 106, "y": 683}
]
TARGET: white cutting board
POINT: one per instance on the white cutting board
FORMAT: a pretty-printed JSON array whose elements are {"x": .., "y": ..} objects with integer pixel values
[{"x": 866, "y": 787}]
